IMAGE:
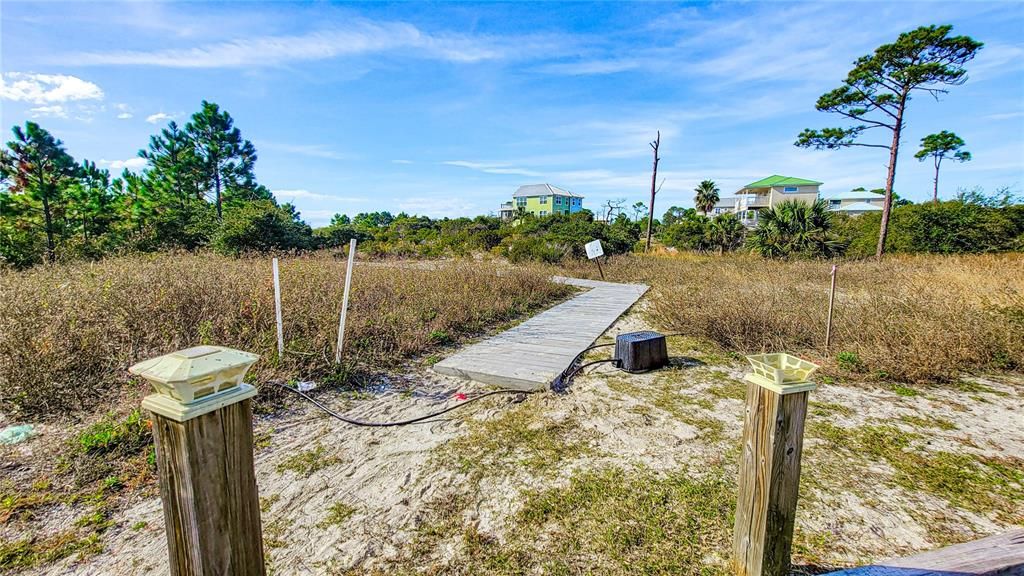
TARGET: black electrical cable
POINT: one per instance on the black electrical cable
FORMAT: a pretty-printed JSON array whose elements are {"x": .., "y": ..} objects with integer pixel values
[
  {"x": 580, "y": 355},
  {"x": 355, "y": 422},
  {"x": 582, "y": 366},
  {"x": 561, "y": 383}
]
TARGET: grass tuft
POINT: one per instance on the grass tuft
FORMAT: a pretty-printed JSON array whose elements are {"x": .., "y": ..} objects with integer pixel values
[
  {"x": 337, "y": 514},
  {"x": 518, "y": 438},
  {"x": 307, "y": 462}
]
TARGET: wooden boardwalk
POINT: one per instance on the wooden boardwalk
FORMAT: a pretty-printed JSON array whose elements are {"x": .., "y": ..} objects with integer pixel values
[
  {"x": 531, "y": 355},
  {"x": 999, "y": 555}
]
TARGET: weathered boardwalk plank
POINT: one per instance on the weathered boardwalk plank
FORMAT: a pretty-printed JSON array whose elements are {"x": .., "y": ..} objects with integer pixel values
[
  {"x": 531, "y": 355},
  {"x": 999, "y": 555}
]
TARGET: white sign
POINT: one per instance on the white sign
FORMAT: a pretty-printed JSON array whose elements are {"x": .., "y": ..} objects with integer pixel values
[{"x": 594, "y": 249}]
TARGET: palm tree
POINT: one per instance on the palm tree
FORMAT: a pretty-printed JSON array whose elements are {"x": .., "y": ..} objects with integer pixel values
[
  {"x": 707, "y": 196},
  {"x": 795, "y": 228},
  {"x": 724, "y": 232}
]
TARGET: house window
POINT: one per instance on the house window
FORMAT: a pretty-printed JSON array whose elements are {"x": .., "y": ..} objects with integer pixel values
[
  {"x": 791, "y": 189},
  {"x": 833, "y": 204},
  {"x": 543, "y": 212},
  {"x": 521, "y": 201},
  {"x": 543, "y": 199},
  {"x": 558, "y": 200}
]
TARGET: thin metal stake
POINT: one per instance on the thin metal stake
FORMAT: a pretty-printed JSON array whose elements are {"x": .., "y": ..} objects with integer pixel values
[
  {"x": 344, "y": 300},
  {"x": 277, "y": 309},
  {"x": 831, "y": 301}
]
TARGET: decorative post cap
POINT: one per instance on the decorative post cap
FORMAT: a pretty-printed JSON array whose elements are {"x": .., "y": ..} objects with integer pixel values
[
  {"x": 196, "y": 380},
  {"x": 780, "y": 372}
]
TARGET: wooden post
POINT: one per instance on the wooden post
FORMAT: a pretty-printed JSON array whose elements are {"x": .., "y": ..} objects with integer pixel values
[
  {"x": 344, "y": 300},
  {"x": 277, "y": 311},
  {"x": 831, "y": 301},
  {"x": 202, "y": 428},
  {"x": 769, "y": 478},
  {"x": 598, "y": 260}
]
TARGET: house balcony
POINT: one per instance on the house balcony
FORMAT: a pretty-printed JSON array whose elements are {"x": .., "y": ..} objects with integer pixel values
[{"x": 753, "y": 202}]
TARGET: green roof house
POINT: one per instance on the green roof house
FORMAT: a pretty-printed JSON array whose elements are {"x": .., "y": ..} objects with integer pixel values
[
  {"x": 541, "y": 200},
  {"x": 770, "y": 191}
]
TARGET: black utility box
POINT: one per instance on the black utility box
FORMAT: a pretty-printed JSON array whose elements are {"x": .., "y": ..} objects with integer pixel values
[{"x": 641, "y": 351}]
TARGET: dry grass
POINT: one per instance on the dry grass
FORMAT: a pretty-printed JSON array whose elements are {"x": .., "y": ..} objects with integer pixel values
[
  {"x": 68, "y": 333},
  {"x": 914, "y": 318}
]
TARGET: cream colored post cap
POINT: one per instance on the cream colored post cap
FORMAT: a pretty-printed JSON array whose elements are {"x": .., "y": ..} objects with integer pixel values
[
  {"x": 196, "y": 380},
  {"x": 781, "y": 372}
]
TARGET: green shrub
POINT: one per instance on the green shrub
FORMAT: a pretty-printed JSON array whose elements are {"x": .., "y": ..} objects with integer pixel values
[
  {"x": 951, "y": 227},
  {"x": 262, "y": 226},
  {"x": 536, "y": 249},
  {"x": 795, "y": 228},
  {"x": 849, "y": 361},
  {"x": 110, "y": 436}
]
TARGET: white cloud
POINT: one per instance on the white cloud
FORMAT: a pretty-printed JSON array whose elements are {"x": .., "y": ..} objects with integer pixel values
[
  {"x": 443, "y": 207},
  {"x": 46, "y": 88},
  {"x": 1004, "y": 115},
  {"x": 311, "y": 150},
  {"x": 124, "y": 111},
  {"x": 492, "y": 168},
  {"x": 360, "y": 38},
  {"x": 133, "y": 164},
  {"x": 593, "y": 67},
  {"x": 158, "y": 117},
  {"x": 288, "y": 195},
  {"x": 54, "y": 111}
]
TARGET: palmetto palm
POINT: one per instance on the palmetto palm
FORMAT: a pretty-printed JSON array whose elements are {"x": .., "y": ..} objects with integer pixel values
[
  {"x": 707, "y": 196},
  {"x": 793, "y": 228},
  {"x": 724, "y": 232}
]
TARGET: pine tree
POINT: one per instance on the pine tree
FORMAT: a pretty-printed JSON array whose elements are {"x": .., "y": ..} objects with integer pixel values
[
  {"x": 877, "y": 89},
  {"x": 225, "y": 158},
  {"x": 939, "y": 147},
  {"x": 38, "y": 167}
]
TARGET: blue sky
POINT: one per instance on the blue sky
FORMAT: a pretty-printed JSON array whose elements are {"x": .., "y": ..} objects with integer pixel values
[{"x": 444, "y": 109}]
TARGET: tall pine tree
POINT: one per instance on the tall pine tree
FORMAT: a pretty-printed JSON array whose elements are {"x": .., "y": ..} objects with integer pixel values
[
  {"x": 226, "y": 159},
  {"x": 38, "y": 169},
  {"x": 876, "y": 91}
]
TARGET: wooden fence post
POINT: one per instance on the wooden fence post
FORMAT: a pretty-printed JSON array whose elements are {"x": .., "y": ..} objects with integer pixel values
[
  {"x": 831, "y": 302},
  {"x": 202, "y": 428},
  {"x": 769, "y": 476}
]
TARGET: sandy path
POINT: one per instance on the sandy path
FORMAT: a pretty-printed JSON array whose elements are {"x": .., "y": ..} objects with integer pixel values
[{"x": 389, "y": 479}]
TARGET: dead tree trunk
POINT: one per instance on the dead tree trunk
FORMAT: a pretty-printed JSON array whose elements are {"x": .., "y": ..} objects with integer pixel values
[{"x": 654, "y": 191}]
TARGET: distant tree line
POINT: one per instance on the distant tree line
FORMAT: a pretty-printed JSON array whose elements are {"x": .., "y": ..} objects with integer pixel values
[
  {"x": 198, "y": 190},
  {"x": 973, "y": 222},
  {"x": 548, "y": 238}
]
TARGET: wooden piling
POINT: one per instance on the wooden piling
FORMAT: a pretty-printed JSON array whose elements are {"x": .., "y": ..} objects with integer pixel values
[
  {"x": 208, "y": 488},
  {"x": 202, "y": 428},
  {"x": 769, "y": 480}
]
